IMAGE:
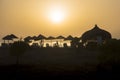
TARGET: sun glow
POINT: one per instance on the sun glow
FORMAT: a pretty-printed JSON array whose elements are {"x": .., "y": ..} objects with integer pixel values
[{"x": 56, "y": 15}]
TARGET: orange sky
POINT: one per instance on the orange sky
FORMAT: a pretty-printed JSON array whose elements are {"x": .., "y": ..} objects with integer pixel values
[{"x": 30, "y": 17}]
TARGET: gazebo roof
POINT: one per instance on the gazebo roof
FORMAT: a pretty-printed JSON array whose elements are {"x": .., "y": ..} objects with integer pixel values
[
  {"x": 60, "y": 37},
  {"x": 41, "y": 37},
  {"x": 28, "y": 38},
  {"x": 94, "y": 33},
  {"x": 69, "y": 38},
  {"x": 51, "y": 37},
  {"x": 13, "y": 36},
  {"x": 7, "y": 38}
]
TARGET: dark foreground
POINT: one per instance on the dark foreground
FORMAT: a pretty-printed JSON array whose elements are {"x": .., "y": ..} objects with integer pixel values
[
  {"x": 60, "y": 64},
  {"x": 21, "y": 72}
]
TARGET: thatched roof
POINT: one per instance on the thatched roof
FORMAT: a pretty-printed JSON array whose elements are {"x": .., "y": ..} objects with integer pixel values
[
  {"x": 60, "y": 37},
  {"x": 41, "y": 37},
  {"x": 13, "y": 36},
  {"x": 9, "y": 37},
  {"x": 51, "y": 37},
  {"x": 28, "y": 38},
  {"x": 94, "y": 33},
  {"x": 69, "y": 38}
]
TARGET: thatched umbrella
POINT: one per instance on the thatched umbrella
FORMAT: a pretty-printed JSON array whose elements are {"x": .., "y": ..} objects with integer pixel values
[
  {"x": 41, "y": 37},
  {"x": 34, "y": 38},
  {"x": 69, "y": 38},
  {"x": 28, "y": 39},
  {"x": 60, "y": 37},
  {"x": 13, "y": 36},
  {"x": 51, "y": 38},
  {"x": 7, "y": 37}
]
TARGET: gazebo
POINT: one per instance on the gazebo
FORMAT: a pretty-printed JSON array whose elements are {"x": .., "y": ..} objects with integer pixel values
[{"x": 96, "y": 34}]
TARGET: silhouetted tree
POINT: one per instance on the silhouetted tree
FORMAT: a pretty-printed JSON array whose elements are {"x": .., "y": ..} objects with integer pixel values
[{"x": 18, "y": 48}]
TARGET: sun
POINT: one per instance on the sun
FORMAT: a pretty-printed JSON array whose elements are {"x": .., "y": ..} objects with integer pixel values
[{"x": 56, "y": 15}]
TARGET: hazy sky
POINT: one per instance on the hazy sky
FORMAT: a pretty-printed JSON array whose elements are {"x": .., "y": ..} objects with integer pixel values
[{"x": 33, "y": 17}]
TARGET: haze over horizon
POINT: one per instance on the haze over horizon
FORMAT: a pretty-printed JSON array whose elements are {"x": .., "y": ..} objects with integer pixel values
[{"x": 58, "y": 17}]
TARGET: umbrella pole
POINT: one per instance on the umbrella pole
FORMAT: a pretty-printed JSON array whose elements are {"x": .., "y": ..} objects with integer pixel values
[
  {"x": 60, "y": 42},
  {"x": 8, "y": 41},
  {"x": 43, "y": 43},
  {"x": 13, "y": 41},
  {"x": 51, "y": 43},
  {"x": 40, "y": 43},
  {"x": 4, "y": 41}
]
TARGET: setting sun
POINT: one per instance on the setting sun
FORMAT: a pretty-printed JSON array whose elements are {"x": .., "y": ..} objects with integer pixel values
[{"x": 56, "y": 16}]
